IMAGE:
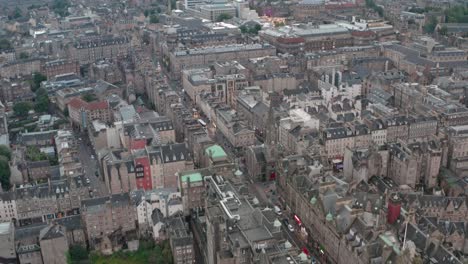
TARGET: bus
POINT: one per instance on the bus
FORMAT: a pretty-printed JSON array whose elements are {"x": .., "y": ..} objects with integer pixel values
[{"x": 203, "y": 123}]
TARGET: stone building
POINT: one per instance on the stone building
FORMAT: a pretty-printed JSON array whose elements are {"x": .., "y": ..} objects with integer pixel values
[
  {"x": 87, "y": 51},
  {"x": 74, "y": 229},
  {"x": 192, "y": 187},
  {"x": 310, "y": 37},
  {"x": 54, "y": 244},
  {"x": 58, "y": 67},
  {"x": 181, "y": 241},
  {"x": 183, "y": 59},
  {"x": 21, "y": 68},
  {"x": 104, "y": 215},
  {"x": 233, "y": 129},
  {"x": 336, "y": 140},
  {"x": 38, "y": 170},
  {"x": 225, "y": 86},
  {"x": 15, "y": 90},
  {"x": 415, "y": 163},
  {"x": 118, "y": 170},
  {"x": 422, "y": 127},
  {"x": 7, "y": 243},
  {"x": 255, "y": 160},
  {"x": 7, "y": 207},
  {"x": 42, "y": 203},
  {"x": 82, "y": 113}
]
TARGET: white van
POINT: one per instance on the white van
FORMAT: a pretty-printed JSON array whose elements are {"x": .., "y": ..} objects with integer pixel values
[{"x": 278, "y": 210}]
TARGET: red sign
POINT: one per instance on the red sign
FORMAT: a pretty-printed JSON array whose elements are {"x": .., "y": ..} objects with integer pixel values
[
  {"x": 298, "y": 220},
  {"x": 272, "y": 176}
]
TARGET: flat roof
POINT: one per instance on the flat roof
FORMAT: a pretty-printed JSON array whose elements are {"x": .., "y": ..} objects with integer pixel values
[
  {"x": 193, "y": 177},
  {"x": 4, "y": 228}
]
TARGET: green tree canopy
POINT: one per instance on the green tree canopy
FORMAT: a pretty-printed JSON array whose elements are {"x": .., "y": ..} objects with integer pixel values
[
  {"x": 154, "y": 19},
  {"x": 457, "y": 14},
  {"x": 89, "y": 97},
  {"x": 77, "y": 253},
  {"x": 23, "y": 55},
  {"x": 250, "y": 30},
  {"x": 60, "y": 7},
  {"x": 5, "y": 173},
  {"x": 5, "y": 44},
  {"x": 22, "y": 108},
  {"x": 5, "y": 151},
  {"x": 34, "y": 154},
  {"x": 223, "y": 17},
  {"x": 17, "y": 13},
  {"x": 243, "y": 29},
  {"x": 443, "y": 30},
  {"x": 38, "y": 78},
  {"x": 371, "y": 4},
  {"x": 42, "y": 100},
  {"x": 430, "y": 25}
]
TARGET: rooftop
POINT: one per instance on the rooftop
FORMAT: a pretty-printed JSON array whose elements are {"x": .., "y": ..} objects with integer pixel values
[
  {"x": 193, "y": 177},
  {"x": 221, "y": 49},
  {"x": 215, "y": 151},
  {"x": 5, "y": 228}
]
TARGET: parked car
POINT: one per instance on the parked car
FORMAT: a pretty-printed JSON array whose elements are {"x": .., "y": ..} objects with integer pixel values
[
  {"x": 291, "y": 228},
  {"x": 278, "y": 210}
]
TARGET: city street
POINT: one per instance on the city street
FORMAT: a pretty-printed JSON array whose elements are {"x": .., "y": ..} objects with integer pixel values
[
  {"x": 90, "y": 166},
  {"x": 266, "y": 194}
]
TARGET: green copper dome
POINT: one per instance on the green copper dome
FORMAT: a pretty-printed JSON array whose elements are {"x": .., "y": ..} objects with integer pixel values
[
  {"x": 313, "y": 200},
  {"x": 329, "y": 217}
]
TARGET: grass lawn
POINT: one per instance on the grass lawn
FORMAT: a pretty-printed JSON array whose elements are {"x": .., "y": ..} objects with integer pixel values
[
  {"x": 147, "y": 253},
  {"x": 138, "y": 257}
]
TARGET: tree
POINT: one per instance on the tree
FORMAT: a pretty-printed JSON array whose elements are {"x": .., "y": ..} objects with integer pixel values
[
  {"x": 5, "y": 173},
  {"x": 371, "y": 4},
  {"x": 33, "y": 6},
  {"x": 443, "y": 31},
  {"x": 77, "y": 253},
  {"x": 456, "y": 14},
  {"x": 89, "y": 97},
  {"x": 38, "y": 78},
  {"x": 23, "y": 55},
  {"x": 279, "y": 24},
  {"x": 258, "y": 27},
  {"x": 149, "y": 12},
  {"x": 5, "y": 152},
  {"x": 417, "y": 260},
  {"x": 250, "y": 30},
  {"x": 17, "y": 13},
  {"x": 42, "y": 104},
  {"x": 223, "y": 17},
  {"x": 154, "y": 19},
  {"x": 5, "y": 44},
  {"x": 417, "y": 10},
  {"x": 42, "y": 100},
  {"x": 430, "y": 25},
  {"x": 34, "y": 154},
  {"x": 60, "y": 7},
  {"x": 22, "y": 108},
  {"x": 243, "y": 29}
]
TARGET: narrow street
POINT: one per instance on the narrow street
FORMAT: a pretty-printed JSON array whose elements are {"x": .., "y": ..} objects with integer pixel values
[{"x": 90, "y": 167}]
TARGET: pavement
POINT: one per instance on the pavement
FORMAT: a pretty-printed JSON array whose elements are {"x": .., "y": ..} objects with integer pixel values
[{"x": 90, "y": 166}]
